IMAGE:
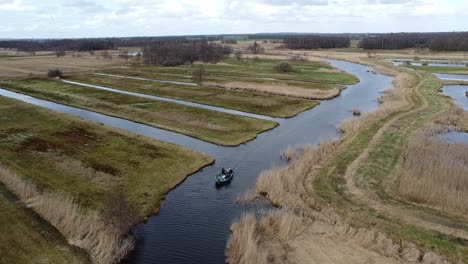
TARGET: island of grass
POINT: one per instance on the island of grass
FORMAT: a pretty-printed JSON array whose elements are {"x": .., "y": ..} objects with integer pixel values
[
  {"x": 251, "y": 102},
  {"x": 211, "y": 126},
  {"x": 250, "y": 85},
  {"x": 65, "y": 155},
  {"x": 440, "y": 69}
]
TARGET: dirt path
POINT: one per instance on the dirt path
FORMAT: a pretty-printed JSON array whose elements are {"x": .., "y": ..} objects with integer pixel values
[{"x": 370, "y": 200}]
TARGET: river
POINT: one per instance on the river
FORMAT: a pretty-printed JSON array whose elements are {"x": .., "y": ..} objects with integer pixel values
[{"x": 193, "y": 223}]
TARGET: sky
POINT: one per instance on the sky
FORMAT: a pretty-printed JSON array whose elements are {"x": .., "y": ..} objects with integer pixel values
[{"x": 120, "y": 18}]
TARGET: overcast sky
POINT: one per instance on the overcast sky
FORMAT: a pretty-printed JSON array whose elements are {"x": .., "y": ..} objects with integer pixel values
[{"x": 116, "y": 18}]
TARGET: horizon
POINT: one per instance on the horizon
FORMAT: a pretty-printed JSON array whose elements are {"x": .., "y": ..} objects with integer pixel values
[{"x": 25, "y": 19}]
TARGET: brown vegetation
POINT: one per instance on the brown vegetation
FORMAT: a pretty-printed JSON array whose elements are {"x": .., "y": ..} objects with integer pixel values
[
  {"x": 283, "y": 89},
  {"x": 435, "y": 172},
  {"x": 106, "y": 243}
]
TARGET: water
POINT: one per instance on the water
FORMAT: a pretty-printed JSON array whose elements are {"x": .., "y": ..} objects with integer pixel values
[
  {"x": 456, "y": 137},
  {"x": 193, "y": 223},
  {"x": 209, "y": 107},
  {"x": 451, "y": 77},
  {"x": 457, "y": 93}
]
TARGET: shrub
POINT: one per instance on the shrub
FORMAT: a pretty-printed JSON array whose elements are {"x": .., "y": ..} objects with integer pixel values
[
  {"x": 284, "y": 67},
  {"x": 424, "y": 64},
  {"x": 54, "y": 73}
]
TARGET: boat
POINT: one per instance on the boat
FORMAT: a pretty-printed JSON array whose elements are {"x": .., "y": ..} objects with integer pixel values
[{"x": 225, "y": 176}]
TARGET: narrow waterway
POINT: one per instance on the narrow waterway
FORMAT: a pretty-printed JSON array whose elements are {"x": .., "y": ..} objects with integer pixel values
[
  {"x": 165, "y": 99},
  {"x": 452, "y": 77},
  {"x": 458, "y": 94},
  {"x": 193, "y": 223}
]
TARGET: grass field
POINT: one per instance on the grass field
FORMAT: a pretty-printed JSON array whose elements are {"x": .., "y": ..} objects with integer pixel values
[
  {"x": 39, "y": 65},
  {"x": 25, "y": 237},
  {"x": 64, "y": 154},
  {"x": 317, "y": 75},
  {"x": 441, "y": 69},
  {"x": 216, "y": 127},
  {"x": 258, "y": 103}
]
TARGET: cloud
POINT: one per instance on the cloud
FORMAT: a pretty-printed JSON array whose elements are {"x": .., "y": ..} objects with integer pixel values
[
  {"x": 296, "y": 2},
  {"x": 85, "y": 6},
  {"x": 14, "y": 5}
]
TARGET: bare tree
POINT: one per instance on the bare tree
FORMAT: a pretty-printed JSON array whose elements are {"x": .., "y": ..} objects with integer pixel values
[
  {"x": 238, "y": 55},
  {"x": 198, "y": 74},
  {"x": 60, "y": 53},
  {"x": 256, "y": 48},
  {"x": 124, "y": 55}
]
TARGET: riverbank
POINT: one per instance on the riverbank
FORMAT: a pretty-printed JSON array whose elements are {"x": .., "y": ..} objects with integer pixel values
[
  {"x": 78, "y": 165},
  {"x": 211, "y": 126},
  {"x": 346, "y": 199}
]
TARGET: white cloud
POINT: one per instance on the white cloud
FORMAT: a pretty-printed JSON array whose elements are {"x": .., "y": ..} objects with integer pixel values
[{"x": 90, "y": 18}]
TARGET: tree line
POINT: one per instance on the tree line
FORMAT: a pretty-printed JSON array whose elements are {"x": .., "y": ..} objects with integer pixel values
[
  {"x": 178, "y": 52},
  {"x": 443, "y": 41},
  {"x": 317, "y": 42}
]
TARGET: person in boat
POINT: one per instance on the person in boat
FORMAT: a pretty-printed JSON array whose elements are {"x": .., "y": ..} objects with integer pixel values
[{"x": 223, "y": 171}]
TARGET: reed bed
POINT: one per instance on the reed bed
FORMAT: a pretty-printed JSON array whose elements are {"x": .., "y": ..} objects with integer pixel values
[
  {"x": 284, "y": 90},
  {"x": 88, "y": 230},
  {"x": 435, "y": 172}
]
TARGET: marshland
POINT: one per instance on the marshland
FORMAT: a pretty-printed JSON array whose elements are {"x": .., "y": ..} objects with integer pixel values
[{"x": 346, "y": 148}]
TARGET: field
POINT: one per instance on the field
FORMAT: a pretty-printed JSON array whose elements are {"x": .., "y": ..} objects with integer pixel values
[
  {"x": 441, "y": 69},
  {"x": 308, "y": 79},
  {"x": 258, "y": 103},
  {"x": 86, "y": 162},
  {"x": 204, "y": 124},
  {"x": 25, "y": 237}
]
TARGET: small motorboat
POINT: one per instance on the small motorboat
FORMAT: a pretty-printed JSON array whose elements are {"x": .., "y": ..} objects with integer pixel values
[{"x": 225, "y": 176}]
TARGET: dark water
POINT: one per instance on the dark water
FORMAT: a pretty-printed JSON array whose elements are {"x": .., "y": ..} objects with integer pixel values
[
  {"x": 457, "y": 93},
  {"x": 456, "y": 137},
  {"x": 193, "y": 223},
  {"x": 453, "y": 77}
]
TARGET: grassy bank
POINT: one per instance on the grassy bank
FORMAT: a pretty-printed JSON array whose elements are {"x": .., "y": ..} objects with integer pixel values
[
  {"x": 351, "y": 192},
  {"x": 216, "y": 127},
  {"x": 65, "y": 154},
  {"x": 441, "y": 69},
  {"x": 73, "y": 167},
  {"x": 25, "y": 237},
  {"x": 258, "y": 103}
]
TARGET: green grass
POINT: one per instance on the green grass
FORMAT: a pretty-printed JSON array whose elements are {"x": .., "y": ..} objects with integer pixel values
[
  {"x": 440, "y": 69},
  {"x": 212, "y": 126},
  {"x": 25, "y": 238},
  {"x": 65, "y": 154},
  {"x": 330, "y": 186},
  {"x": 311, "y": 74},
  {"x": 258, "y": 103}
]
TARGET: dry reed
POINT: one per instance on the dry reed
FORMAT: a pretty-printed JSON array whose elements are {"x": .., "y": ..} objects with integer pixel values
[
  {"x": 435, "y": 172},
  {"x": 87, "y": 230},
  {"x": 285, "y": 90}
]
